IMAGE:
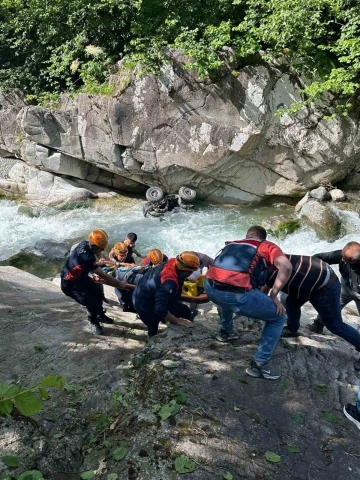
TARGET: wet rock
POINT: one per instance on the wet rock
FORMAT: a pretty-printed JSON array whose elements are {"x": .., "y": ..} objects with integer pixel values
[
  {"x": 28, "y": 211},
  {"x": 337, "y": 195},
  {"x": 322, "y": 219},
  {"x": 302, "y": 202},
  {"x": 320, "y": 194},
  {"x": 281, "y": 226}
]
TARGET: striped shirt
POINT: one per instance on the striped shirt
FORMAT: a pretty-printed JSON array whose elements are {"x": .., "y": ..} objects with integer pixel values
[{"x": 309, "y": 274}]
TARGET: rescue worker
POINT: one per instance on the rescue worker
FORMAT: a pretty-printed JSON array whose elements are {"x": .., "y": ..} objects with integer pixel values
[
  {"x": 76, "y": 283},
  {"x": 154, "y": 257},
  {"x": 313, "y": 280},
  {"x": 157, "y": 294},
  {"x": 348, "y": 260},
  {"x": 118, "y": 255},
  {"x": 233, "y": 282}
]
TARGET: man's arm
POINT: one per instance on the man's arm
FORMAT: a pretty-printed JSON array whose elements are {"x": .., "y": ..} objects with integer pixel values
[
  {"x": 284, "y": 271},
  {"x": 109, "y": 280},
  {"x": 137, "y": 253},
  {"x": 162, "y": 304},
  {"x": 332, "y": 258}
]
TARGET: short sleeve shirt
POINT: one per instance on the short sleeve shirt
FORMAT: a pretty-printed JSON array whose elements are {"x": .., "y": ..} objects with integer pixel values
[
  {"x": 269, "y": 251},
  {"x": 80, "y": 262}
]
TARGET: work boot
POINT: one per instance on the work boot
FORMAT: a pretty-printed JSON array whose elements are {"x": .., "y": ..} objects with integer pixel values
[
  {"x": 316, "y": 327},
  {"x": 96, "y": 328},
  {"x": 105, "y": 319},
  {"x": 289, "y": 332}
]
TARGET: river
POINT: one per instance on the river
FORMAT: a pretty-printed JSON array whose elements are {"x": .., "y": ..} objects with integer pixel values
[{"x": 205, "y": 229}]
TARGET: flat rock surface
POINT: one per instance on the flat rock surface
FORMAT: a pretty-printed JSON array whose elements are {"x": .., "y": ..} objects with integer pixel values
[{"x": 226, "y": 420}]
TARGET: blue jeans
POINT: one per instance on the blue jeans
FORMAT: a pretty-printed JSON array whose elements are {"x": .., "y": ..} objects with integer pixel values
[
  {"x": 327, "y": 304},
  {"x": 254, "y": 304}
]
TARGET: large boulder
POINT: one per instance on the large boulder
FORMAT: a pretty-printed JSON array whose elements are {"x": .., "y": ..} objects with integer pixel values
[
  {"x": 43, "y": 188},
  {"x": 222, "y": 137},
  {"x": 322, "y": 219}
]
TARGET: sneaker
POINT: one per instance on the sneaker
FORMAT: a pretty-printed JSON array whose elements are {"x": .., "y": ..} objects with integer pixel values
[
  {"x": 226, "y": 337},
  {"x": 105, "y": 319},
  {"x": 315, "y": 327},
  {"x": 289, "y": 332},
  {"x": 351, "y": 412},
  {"x": 96, "y": 328},
  {"x": 263, "y": 371}
]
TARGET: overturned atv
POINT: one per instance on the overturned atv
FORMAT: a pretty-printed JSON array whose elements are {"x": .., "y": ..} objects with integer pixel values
[{"x": 158, "y": 203}]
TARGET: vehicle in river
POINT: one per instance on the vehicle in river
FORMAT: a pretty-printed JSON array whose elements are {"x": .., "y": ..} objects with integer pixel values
[{"x": 158, "y": 203}]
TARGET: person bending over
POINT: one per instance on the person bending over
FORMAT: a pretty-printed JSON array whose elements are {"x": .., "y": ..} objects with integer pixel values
[
  {"x": 76, "y": 283},
  {"x": 348, "y": 260},
  {"x": 154, "y": 257},
  {"x": 233, "y": 282},
  {"x": 313, "y": 280},
  {"x": 157, "y": 294}
]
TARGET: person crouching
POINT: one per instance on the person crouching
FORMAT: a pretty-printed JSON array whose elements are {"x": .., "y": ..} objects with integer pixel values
[
  {"x": 157, "y": 294},
  {"x": 76, "y": 283}
]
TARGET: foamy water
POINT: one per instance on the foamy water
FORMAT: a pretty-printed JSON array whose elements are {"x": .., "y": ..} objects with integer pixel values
[{"x": 205, "y": 229}]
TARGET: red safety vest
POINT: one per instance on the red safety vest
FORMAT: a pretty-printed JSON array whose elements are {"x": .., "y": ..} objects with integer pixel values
[{"x": 239, "y": 264}]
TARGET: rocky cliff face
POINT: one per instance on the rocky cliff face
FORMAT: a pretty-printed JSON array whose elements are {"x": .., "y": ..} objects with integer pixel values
[{"x": 223, "y": 137}]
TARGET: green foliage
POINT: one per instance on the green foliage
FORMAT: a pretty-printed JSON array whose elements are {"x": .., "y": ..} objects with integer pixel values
[
  {"x": 184, "y": 464},
  {"x": 292, "y": 449},
  {"x": 120, "y": 452},
  {"x": 329, "y": 417},
  {"x": 321, "y": 387},
  {"x": 298, "y": 418},
  {"x": 89, "y": 475},
  {"x": 31, "y": 475},
  {"x": 227, "y": 476},
  {"x": 10, "y": 461},
  {"x": 27, "y": 400},
  {"x": 47, "y": 46},
  {"x": 168, "y": 410},
  {"x": 272, "y": 457}
]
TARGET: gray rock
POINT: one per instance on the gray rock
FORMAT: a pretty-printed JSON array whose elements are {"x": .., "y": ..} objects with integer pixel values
[
  {"x": 221, "y": 137},
  {"x": 320, "y": 194},
  {"x": 337, "y": 195},
  {"x": 302, "y": 202},
  {"x": 282, "y": 225},
  {"x": 322, "y": 219}
]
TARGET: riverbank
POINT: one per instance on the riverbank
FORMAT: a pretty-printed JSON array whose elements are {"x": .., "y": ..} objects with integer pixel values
[{"x": 226, "y": 421}]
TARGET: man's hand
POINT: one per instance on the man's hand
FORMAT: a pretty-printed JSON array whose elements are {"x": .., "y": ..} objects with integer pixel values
[
  {"x": 184, "y": 322},
  {"x": 121, "y": 285},
  {"x": 280, "y": 310}
]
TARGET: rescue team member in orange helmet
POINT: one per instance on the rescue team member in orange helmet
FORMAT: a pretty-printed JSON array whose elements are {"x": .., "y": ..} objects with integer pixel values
[
  {"x": 154, "y": 257},
  {"x": 118, "y": 255},
  {"x": 157, "y": 294},
  {"x": 76, "y": 283}
]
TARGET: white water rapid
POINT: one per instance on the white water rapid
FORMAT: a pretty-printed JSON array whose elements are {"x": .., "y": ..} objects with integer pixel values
[{"x": 204, "y": 230}]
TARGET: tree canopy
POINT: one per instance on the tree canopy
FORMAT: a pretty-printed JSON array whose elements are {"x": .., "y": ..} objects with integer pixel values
[{"x": 56, "y": 45}]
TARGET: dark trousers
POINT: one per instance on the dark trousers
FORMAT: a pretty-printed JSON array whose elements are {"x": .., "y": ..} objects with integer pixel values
[
  {"x": 125, "y": 299},
  {"x": 327, "y": 304},
  {"x": 152, "y": 321},
  {"x": 347, "y": 295},
  {"x": 88, "y": 293}
]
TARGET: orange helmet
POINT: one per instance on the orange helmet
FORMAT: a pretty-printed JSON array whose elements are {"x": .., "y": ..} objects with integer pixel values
[
  {"x": 188, "y": 261},
  {"x": 99, "y": 238},
  {"x": 120, "y": 248},
  {"x": 155, "y": 256}
]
